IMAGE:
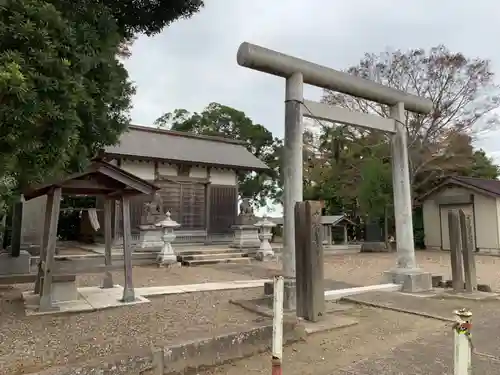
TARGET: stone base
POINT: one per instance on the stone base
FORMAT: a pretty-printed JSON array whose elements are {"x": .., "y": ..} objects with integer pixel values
[
  {"x": 15, "y": 265},
  {"x": 64, "y": 291},
  {"x": 412, "y": 280},
  {"x": 150, "y": 238},
  {"x": 265, "y": 255},
  {"x": 289, "y": 294},
  {"x": 167, "y": 261},
  {"x": 374, "y": 247},
  {"x": 246, "y": 237}
]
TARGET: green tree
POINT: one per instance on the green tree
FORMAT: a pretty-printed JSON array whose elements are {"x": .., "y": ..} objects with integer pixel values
[
  {"x": 220, "y": 120},
  {"x": 482, "y": 166},
  {"x": 63, "y": 92}
]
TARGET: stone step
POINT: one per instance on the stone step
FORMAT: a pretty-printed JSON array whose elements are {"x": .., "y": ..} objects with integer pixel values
[
  {"x": 202, "y": 262},
  {"x": 183, "y": 257},
  {"x": 208, "y": 251}
]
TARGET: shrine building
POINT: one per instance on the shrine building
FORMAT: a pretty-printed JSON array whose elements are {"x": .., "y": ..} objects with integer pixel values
[{"x": 197, "y": 176}]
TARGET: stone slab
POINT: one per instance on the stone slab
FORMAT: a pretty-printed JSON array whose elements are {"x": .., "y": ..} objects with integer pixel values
[
  {"x": 100, "y": 298},
  {"x": 412, "y": 281},
  {"x": 89, "y": 299},
  {"x": 328, "y": 322},
  {"x": 327, "y": 285},
  {"x": 15, "y": 265},
  {"x": 374, "y": 247},
  {"x": 64, "y": 291},
  {"x": 264, "y": 307},
  {"x": 201, "y": 287}
]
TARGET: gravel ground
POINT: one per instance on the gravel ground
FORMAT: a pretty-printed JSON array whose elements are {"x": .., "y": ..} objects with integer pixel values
[
  {"x": 325, "y": 353},
  {"x": 30, "y": 344}
]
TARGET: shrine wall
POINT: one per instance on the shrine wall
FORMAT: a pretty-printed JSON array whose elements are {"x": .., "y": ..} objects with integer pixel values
[{"x": 146, "y": 171}]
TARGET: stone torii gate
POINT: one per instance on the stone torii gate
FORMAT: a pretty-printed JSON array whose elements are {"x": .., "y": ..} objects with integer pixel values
[{"x": 297, "y": 72}]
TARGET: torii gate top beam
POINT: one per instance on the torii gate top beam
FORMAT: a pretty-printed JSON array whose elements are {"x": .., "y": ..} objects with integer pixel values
[{"x": 276, "y": 63}]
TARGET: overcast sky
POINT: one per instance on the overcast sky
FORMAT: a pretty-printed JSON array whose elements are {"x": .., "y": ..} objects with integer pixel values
[{"x": 193, "y": 62}]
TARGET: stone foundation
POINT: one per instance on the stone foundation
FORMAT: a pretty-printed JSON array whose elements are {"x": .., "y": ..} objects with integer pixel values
[
  {"x": 246, "y": 237},
  {"x": 15, "y": 265},
  {"x": 412, "y": 280}
]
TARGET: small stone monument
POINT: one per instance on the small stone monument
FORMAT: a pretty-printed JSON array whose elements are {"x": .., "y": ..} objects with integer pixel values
[
  {"x": 167, "y": 256},
  {"x": 265, "y": 251},
  {"x": 150, "y": 234},
  {"x": 246, "y": 234}
]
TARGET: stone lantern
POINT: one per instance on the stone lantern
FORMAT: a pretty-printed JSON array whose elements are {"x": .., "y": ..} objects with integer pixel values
[
  {"x": 167, "y": 257},
  {"x": 265, "y": 251}
]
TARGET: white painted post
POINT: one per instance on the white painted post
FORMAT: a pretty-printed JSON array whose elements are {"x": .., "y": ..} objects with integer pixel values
[
  {"x": 277, "y": 346},
  {"x": 462, "y": 353}
]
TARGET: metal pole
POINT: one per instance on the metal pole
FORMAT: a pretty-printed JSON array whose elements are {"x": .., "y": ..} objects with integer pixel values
[
  {"x": 277, "y": 346},
  {"x": 462, "y": 353},
  {"x": 292, "y": 179}
]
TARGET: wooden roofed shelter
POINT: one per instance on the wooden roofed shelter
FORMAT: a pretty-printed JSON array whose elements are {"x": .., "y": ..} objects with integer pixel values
[{"x": 99, "y": 179}]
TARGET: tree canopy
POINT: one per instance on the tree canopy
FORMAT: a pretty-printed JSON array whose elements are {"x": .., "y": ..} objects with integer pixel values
[
  {"x": 351, "y": 167},
  {"x": 464, "y": 95},
  {"x": 63, "y": 91},
  {"x": 220, "y": 120}
]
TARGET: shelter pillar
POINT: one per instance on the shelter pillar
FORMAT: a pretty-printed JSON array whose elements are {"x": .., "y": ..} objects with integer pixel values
[
  {"x": 128, "y": 287},
  {"x": 292, "y": 179},
  {"x": 51, "y": 222},
  {"x": 107, "y": 281},
  {"x": 406, "y": 272}
]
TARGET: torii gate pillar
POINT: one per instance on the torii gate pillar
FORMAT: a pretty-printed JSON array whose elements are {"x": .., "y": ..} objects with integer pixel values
[{"x": 297, "y": 72}]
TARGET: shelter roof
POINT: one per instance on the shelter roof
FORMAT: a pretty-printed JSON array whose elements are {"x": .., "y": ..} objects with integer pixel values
[{"x": 99, "y": 178}]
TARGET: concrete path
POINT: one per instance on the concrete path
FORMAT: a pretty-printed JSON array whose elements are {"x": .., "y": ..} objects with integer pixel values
[{"x": 201, "y": 287}]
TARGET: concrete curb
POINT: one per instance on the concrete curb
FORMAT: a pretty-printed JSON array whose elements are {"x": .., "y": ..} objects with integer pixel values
[{"x": 186, "y": 356}]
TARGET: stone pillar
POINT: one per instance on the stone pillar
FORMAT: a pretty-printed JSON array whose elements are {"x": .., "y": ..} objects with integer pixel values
[
  {"x": 292, "y": 179},
  {"x": 406, "y": 272},
  {"x": 346, "y": 239},
  {"x": 167, "y": 256},
  {"x": 265, "y": 251}
]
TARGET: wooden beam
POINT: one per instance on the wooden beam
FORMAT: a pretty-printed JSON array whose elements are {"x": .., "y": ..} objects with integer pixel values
[
  {"x": 17, "y": 223},
  {"x": 107, "y": 282},
  {"x": 46, "y": 295},
  {"x": 325, "y": 112},
  {"x": 91, "y": 185},
  {"x": 299, "y": 259},
  {"x": 128, "y": 287},
  {"x": 43, "y": 242},
  {"x": 309, "y": 260}
]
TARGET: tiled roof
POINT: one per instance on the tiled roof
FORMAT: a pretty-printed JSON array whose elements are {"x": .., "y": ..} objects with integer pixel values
[
  {"x": 158, "y": 144},
  {"x": 489, "y": 186}
]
